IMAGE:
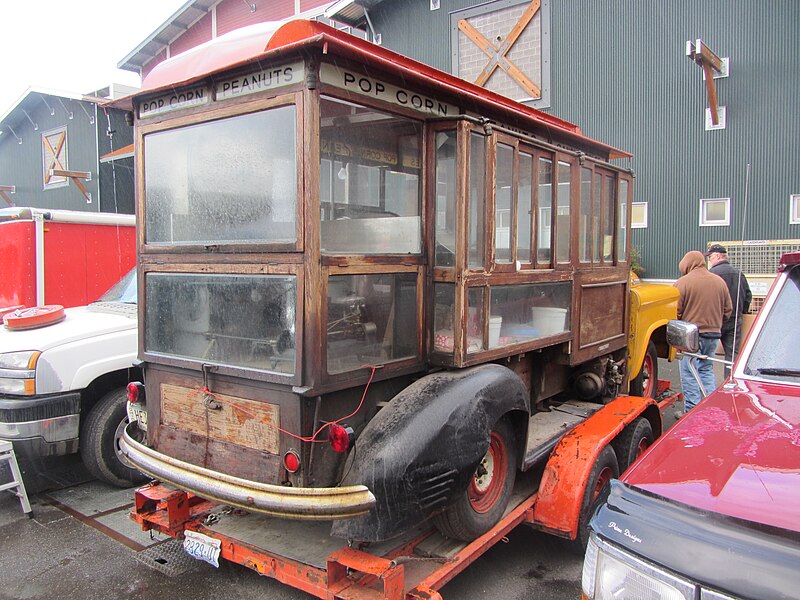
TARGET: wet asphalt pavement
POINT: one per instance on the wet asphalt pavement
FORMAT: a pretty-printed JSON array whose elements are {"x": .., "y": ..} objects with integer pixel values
[{"x": 80, "y": 544}]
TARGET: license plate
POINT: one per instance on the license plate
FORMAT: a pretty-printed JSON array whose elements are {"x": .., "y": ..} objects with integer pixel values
[
  {"x": 137, "y": 414},
  {"x": 202, "y": 547}
]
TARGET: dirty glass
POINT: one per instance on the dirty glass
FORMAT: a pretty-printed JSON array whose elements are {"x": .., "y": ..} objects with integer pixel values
[
  {"x": 444, "y": 297},
  {"x": 774, "y": 355},
  {"x": 520, "y": 313},
  {"x": 446, "y": 145},
  {"x": 622, "y": 240},
  {"x": 545, "y": 208},
  {"x": 239, "y": 320},
  {"x": 504, "y": 179},
  {"x": 372, "y": 319},
  {"x": 562, "y": 215},
  {"x": 476, "y": 316},
  {"x": 477, "y": 200},
  {"x": 524, "y": 214},
  {"x": 608, "y": 220},
  {"x": 597, "y": 217},
  {"x": 369, "y": 181},
  {"x": 585, "y": 222},
  {"x": 228, "y": 181}
]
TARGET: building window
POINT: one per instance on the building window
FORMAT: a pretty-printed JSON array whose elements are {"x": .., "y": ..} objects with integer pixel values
[
  {"x": 503, "y": 46},
  {"x": 794, "y": 209},
  {"x": 639, "y": 215},
  {"x": 715, "y": 212},
  {"x": 54, "y": 157}
]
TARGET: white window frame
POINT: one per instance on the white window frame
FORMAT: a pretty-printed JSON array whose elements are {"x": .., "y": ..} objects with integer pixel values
[
  {"x": 639, "y": 224},
  {"x": 794, "y": 209},
  {"x": 722, "y": 223}
]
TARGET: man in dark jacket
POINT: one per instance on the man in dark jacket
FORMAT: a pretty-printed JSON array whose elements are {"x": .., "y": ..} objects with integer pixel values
[
  {"x": 704, "y": 300},
  {"x": 739, "y": 290}
]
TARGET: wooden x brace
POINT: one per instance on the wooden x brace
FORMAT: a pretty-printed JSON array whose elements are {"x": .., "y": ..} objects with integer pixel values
[
  {"x": 497, "y": 54},
  {"x": 55, "y": 164}
]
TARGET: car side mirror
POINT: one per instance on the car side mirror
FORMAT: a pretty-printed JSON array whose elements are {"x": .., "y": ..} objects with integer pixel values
[{"x": 683, "y": 335}]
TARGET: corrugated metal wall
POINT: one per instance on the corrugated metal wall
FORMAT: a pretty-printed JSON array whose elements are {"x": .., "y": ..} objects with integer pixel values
[{"x": 619, "y": 70}]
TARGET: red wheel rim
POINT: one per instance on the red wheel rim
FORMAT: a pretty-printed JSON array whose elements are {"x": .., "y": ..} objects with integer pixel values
[
  {"x": 647, "y": 377},
  {"x": 643, "y": 445},
  {"x": 602, "y": 480},
  {"x": 489, "y": 479}
]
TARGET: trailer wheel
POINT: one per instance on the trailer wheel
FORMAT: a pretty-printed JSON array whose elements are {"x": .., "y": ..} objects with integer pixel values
[
  {"x": 481, "y": 506},
  {"x": 598, "y": 486},
  {"x": 99, "y": 441},
  {"x": 645, "y": 383},
  {"x": 632, "y": 442}
]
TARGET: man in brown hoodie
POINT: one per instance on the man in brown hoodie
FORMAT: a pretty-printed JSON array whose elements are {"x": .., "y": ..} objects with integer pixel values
[{"x": 705, "y": 301}]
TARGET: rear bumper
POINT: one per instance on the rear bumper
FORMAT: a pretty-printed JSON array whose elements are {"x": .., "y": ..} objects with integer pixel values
[{"x": 276, "y": 500}]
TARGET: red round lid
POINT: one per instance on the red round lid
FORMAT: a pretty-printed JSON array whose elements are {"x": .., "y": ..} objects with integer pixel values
[
  {"x": 8, "y": 309},
  {"x": 36, "y": 316}
]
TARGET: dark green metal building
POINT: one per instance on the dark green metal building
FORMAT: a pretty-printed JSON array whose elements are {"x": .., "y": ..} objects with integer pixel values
[{"x": 619, "y": 69}]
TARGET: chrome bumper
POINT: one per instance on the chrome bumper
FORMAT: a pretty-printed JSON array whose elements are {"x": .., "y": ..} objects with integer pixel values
[{"x": 276, "y": 500}]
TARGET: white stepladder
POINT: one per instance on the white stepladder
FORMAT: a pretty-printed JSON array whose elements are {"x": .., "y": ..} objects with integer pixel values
[{"x": 15, "y": 486}]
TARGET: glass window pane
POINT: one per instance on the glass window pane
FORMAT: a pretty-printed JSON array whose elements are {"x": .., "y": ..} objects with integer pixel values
[
  {"x": 622, "y": 241},
  {"x": 504, "y": 178},
  {"x": 544, "y": 217},
  {"x": 372, "y": 319},
  {"x": 715, "y": 211},
  {"x": 477, "y": 200},
  {"x": 444, "y": 297},
  {"x": 562, "y": 216},
  {"x": 585, "y": 217},
  {"x": 524, "y": 214},
  {"x": 526, "y": 312},
  {"x": 476, "y": 314},
  {"x": 373, "y": 159},
  {"x": 445, "y": 255},
  {"x": 597, "y": 217},
  {"x": 228, "y": 181},
  {"x": 240, "y": 320},
  {"x": 608, "y": 220}
]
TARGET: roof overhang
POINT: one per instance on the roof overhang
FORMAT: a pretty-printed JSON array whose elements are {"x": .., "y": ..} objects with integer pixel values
[
  {"x": 264, "y": 41},
  {"x": 34, "y": 98},
  {"x": 352, "y": 12}
]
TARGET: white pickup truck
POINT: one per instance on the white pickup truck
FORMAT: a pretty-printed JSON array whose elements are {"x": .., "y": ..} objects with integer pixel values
[{"x": 63, "y": 386}]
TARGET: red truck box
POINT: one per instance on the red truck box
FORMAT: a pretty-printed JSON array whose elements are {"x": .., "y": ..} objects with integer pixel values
[{"x": 61, "y": 256}]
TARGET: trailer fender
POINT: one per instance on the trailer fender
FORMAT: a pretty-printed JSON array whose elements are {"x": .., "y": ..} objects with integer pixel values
[
  {"x": 421, "y": 450},
  {"x": 558, "y": 504}
]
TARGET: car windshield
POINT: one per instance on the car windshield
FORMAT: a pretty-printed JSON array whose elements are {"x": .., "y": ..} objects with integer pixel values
[
  {"x": 122, "y": 291},
  {"x": 774, "y": 355}
]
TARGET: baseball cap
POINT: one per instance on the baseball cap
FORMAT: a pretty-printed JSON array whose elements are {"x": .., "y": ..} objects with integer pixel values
[{"x": 716, "y": 248}]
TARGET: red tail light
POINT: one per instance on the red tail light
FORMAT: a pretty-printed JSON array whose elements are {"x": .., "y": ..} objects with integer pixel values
[
  {"x": 291, "y": 461},
  {"x": 135, "y": 392},
  {"x": 340, "y": 437}
]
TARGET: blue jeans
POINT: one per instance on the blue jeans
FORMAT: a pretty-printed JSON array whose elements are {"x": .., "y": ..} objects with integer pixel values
[{"x": 705, "y": 368}]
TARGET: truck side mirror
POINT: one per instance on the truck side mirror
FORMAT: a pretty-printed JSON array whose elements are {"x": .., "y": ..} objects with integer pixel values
[{"x": 683, "y": 336}]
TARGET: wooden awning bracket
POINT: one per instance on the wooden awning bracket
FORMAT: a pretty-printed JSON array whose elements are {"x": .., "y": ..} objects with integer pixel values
[
  {"x": 78, "y": 177},
  {"x": 5, "y": 190},
  {"x": 713, "y": 67}
]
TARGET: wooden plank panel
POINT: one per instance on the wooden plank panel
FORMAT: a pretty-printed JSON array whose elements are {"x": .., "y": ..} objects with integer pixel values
[{"x": 242, "y": 422}]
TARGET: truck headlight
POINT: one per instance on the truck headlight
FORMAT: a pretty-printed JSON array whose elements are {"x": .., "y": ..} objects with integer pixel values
[
  {"x": 18, "y": 372},
  {"x": 610, "y": 574}
]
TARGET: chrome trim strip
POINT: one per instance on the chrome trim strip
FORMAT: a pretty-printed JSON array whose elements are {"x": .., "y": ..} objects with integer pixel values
[
  {"x": 18, "y": 373},
  {"x": 57, "y": 429},
  {"x": 276, "y": 500}
]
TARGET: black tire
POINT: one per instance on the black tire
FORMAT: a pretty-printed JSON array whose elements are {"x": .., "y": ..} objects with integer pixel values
[
  {"x": 598, "y": 485},
  {"x": 632, "y": 442},
  {"x": 100, "y": 436},
  {"x": 483, "y": 503},
  {"x": 645, "y": 384}
]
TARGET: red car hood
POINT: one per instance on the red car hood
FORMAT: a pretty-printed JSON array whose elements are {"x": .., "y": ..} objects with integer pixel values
[{"x": 737, "y": 453}]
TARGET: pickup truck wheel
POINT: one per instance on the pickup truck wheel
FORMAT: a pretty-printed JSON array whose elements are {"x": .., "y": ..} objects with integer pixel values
[
  {"x": 481, "y": 506},
  {"x": 632, "y": 442},
  {"x": 645, "y": 383},
  {"x": 100, "y": 437},
  {"x": 598, "y": 486}
]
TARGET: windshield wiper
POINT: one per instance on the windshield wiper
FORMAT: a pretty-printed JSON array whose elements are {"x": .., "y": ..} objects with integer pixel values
[{"x": 778, "y": 371}]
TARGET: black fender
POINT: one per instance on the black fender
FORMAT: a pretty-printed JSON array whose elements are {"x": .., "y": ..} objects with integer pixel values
[{"x": 420, "y": 451}]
